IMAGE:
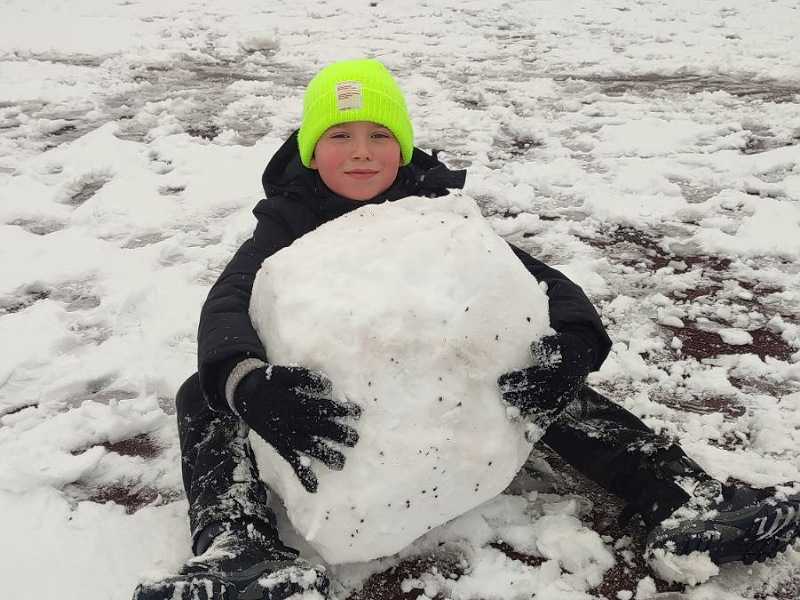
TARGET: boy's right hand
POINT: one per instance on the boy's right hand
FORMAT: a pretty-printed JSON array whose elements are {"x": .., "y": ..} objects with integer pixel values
[{"x": 293, "y": 410}]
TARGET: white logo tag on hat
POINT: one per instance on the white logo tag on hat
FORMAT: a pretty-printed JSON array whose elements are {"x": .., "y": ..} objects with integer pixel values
[{"x": 348, "y": 95}]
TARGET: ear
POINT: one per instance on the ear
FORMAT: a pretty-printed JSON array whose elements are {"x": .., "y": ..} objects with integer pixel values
[{"x": 312, "y": 164}]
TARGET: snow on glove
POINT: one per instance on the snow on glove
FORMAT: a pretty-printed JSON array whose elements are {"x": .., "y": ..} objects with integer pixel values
[
  {"x": 292, "y": 409},
  {"x": 541, "y": 392}
]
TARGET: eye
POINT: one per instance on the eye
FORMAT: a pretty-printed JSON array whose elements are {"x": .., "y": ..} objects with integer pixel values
[
  {"x": 338, "y": 135},
  {"x": 382, "y": 135}
]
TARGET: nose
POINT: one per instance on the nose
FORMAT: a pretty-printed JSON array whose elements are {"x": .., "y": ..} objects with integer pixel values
[{"x": 361, "y": 149}]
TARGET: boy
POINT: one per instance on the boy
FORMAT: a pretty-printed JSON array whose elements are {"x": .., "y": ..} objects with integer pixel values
[{"x": 355, "y": 146}]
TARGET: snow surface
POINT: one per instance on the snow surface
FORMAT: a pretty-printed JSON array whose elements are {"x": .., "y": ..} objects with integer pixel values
[
  {"x": 397, "y": 304},
  {"x": 622, "y": 142}
]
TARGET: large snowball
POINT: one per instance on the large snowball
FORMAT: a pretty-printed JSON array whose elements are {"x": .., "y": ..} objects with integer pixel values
[{"x": 413, "y": 309}]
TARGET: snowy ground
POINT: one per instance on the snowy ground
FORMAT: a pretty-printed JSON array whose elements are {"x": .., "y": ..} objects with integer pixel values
[{"x": 650, "y": 149}]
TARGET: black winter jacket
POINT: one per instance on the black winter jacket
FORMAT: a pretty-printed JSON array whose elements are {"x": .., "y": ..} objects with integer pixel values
[{"x": 297, "y": 202}]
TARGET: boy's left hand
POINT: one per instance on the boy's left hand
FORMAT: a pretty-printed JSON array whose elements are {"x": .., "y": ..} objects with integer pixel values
[{"x": 542, "y": 391}]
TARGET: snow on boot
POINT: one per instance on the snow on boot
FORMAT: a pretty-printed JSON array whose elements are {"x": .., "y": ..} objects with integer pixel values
[
  {"x": 730, "y": 522},
  {"x": 240, "y": 562}
]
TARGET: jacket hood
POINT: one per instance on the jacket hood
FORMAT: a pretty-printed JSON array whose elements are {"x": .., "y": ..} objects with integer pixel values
[{"x": 425, "y": 175}]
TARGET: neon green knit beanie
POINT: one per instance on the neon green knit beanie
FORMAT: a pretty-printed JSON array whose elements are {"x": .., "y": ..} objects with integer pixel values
[{"x": 354, "y": 90}]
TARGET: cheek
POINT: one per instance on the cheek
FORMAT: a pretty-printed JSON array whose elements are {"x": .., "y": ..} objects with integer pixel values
[
  {"x": 396, "y": 154},
  {"x": 391, "y": 157},
  {"x": 391, "y": 172},
  {"x": 326, "y": 159}
]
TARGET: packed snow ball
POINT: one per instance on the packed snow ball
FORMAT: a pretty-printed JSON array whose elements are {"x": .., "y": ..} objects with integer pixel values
[{"x": 413, "y": 309}]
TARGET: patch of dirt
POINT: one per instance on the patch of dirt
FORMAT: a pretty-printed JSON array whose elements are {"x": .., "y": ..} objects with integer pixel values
[
  {"x": 63, "y": 130},
  {"x": 128, "y": 494},
  {"x": 714, "y": 263},
  {"x": 75, "y": 59},
  {"x": 111, "y": 394},
  {"x": 521, "y": 145},
  {"x": 133, "y": 498},
  {"x": 14, "y": 410},
  {"x": 528, "y": 559},
  {"x": 171, "y": 190},
  {"x": 631, "y": 247},
  {"x": 82, "y": 302},
  {"x": 698, "y": 292},
  {"x": 646, "y": 85},
  {"x": 25, "y": 298},
  {"x": 490, "y": 207},
  {"x": 512, "y": 145},
  {"x": 208, "y": 132},
  {"x": 145, "y": 239},
  {"x": 386, "y": 585},
  {"x": 701, "y": 344},
  {"x": 687, "y": 402},
  {"x": 762, "y": 142},
  {"x": 471, "y": 102},
  {"x": 71, "y": 293},
  {"x": 86, "y": 187},
  {"x": 760, "y": 385},
  {"x": 654, "y": 254},
  {"x": 68, "y": 133},
  {"x": 141, "y": 445},
  {"x": 37, "y": 227},
  {"x": 784, "y": 590},
  {"x": 763, "y": 289},
  {"x": 125, "y": 496}
]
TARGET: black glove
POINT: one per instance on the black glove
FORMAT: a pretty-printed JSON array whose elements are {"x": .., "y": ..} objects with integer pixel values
[
  {"x": 561, "y": 363},
  {"x": 292, "y": 409}
]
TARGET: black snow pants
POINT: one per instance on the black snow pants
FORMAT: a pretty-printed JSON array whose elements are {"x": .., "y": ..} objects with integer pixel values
[{"x": 599, "y": 438}]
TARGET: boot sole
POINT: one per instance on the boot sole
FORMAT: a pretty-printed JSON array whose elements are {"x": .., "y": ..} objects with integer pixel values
[
  {"x": 286, "y": 582},
  {"x": 179, "y": 587},
  {"x": 278, "y": 585},
  {"x": 747, "y": 535}
]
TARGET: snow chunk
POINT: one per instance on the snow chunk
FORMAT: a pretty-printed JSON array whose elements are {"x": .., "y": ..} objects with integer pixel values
[
  {"x": 578, "y": 549},
  {"x": 669, "y": 320},
  {"x": 257, "y": 41},
  {"x": 735, "y": 337},
  {"x": 398, "y": 304},
  {"x": 692, "y": 569},
  {"x": 645, "y": 589}
]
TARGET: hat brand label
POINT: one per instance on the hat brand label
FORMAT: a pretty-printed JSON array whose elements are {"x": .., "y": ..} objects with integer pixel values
[{"x": 348, "y": 95}]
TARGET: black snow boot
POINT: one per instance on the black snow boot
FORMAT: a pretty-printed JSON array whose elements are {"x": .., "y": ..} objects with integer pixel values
[
  {"x": 731, "y": 522},
  {"x": 239, "y": 561}
]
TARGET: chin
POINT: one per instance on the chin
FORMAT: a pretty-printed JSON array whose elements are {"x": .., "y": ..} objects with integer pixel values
[{"x": 361, "y": 196}]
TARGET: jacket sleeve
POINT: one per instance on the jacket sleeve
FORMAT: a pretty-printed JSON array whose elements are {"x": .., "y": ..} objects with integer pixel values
[
  {"x": 570, "y": 309},
  {"x": 226, "y": 333}
]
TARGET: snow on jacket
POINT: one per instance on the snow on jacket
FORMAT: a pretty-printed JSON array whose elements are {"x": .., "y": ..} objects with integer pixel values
[{"x": 297, "y": 202}]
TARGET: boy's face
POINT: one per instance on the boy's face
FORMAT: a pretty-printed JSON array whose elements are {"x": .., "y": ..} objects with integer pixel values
[{"x": 357, "y": 160}]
